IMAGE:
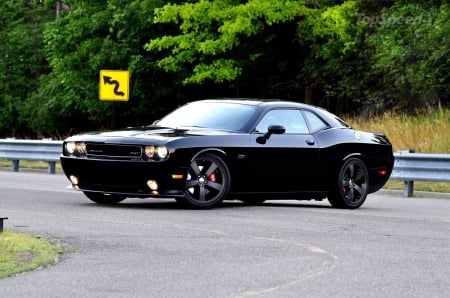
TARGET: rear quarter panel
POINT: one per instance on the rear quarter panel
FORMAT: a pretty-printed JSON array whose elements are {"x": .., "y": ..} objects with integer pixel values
[{"x": 337, "y": 145}]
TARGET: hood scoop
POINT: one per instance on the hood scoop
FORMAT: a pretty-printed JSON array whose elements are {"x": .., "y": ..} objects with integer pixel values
[{"x": 180, "y": 130}]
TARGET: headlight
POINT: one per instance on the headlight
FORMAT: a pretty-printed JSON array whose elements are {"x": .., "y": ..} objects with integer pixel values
[
  {"x": 149, "y": 151},
  {"x": 75, "y": 148},
  {"x": 162, "y": 152},
  {"x": 70, "y": 147},
  {"x": 81, "y": 148},
  {"x": 156, "y": 152}
]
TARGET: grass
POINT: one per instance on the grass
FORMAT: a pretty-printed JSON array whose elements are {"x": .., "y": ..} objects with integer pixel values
[
  {"x": 28, "y": 164},
  {"x": 427, "y": 132},
  {"x": 420, "y": 186},
  {"x": 21, "y": 253}
]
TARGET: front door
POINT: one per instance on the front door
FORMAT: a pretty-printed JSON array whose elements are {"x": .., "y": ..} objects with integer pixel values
[{"x": 285, "y": 162}]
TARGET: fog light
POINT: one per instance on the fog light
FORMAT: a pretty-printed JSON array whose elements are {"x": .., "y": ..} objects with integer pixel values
[
  {"x": 152, "y": 184},
  {"x": 74, "y": 180}
]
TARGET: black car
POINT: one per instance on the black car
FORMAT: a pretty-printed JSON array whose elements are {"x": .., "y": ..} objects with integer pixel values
[{"x": 232, "y": 149}]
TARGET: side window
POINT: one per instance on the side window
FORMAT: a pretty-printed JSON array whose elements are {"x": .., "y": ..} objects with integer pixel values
[
  {"x": 292, "y": 120},
  {"x": 314, "y": 121}
]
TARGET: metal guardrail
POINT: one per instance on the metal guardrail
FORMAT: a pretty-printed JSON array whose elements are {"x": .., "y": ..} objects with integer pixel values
[
  {"x": 39, "y": 150},
  {"x": 410, "y": 166}
]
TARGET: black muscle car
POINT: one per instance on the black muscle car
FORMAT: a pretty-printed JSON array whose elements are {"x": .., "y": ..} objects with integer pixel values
[{"x": 232, "y": 149}]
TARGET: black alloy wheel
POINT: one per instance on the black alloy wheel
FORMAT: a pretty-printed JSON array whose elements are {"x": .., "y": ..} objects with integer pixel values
[
  {"x": 207, "y": 183},
  {"x": 352, "y": 186},
  {"x": 104, "y": 199}
]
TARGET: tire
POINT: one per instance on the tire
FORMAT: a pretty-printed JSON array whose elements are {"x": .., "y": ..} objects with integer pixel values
[
  {"x": 352, "y": 185},
  {"x": 207, "y": 183},
  {"x": 104, "y": 199}
]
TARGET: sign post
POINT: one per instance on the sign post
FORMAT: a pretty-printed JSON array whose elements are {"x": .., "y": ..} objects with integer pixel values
[{"x": 114, "y": 85}]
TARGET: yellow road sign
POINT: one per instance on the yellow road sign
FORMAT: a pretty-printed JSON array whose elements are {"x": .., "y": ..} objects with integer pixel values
[{"x": 114, "y": 85}]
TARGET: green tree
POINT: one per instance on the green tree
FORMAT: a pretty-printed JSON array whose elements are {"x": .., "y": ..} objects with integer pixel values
[
  {"x": 90, "y": 37},
  {"x": 347, "y": 51},
  {"x": 22, "y": 59},
  {"x": 243, "y": 43},
  {"x": 412, "y": 55},
  {"x": 355, "y": 55},
  {"x": 275, "y": 48},
  {"x": 336, "y": 55}
]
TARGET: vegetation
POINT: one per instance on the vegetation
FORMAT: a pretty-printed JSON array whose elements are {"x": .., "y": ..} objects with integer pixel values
[
  {"x": 424, "y": 132},
  {"x": 20, "y": 253},
  {"x": 352, "y": 57},
  {"x": 29, "y": 164},
  {"x": 427, "y": 186}
]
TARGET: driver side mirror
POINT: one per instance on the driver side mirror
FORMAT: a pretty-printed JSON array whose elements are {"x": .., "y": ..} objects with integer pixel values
[{"x": 273, "y": 129}]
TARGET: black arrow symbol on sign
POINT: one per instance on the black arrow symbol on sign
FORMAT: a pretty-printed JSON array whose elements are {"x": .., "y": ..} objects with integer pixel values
[{"x": 110, "y": 81}]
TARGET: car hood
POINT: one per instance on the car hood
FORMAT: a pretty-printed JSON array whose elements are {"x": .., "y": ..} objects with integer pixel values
[{"x": 148, "y": 133}]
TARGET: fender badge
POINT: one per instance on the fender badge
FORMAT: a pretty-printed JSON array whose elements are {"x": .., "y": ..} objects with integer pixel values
[{"x": 358, "y": 136}]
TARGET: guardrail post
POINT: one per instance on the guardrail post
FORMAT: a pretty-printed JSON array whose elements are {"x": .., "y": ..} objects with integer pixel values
[
  {"x": 51, "y": 167},
  {"x": 15, "y": 165},
  {"x": 408, "y": 191},
  {"x": 1, "y": 223}
]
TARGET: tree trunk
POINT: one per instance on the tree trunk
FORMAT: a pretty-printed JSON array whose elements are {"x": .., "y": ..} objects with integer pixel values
[
  {"x": 58, "y": 8},
  {"x": 309, "y": 95}
]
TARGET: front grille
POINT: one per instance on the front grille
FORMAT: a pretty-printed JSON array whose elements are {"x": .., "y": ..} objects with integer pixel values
[{"x": 113, "y": 151}]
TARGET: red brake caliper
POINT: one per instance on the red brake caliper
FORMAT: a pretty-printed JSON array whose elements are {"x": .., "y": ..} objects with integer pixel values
[{"x": 212, "y": 177}]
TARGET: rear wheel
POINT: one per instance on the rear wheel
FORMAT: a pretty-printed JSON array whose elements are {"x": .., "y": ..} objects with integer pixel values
[
  {"x": 106, "y": 199},
  {"x": 207, "y": 183},
  {"x": 352, "y": 185}
]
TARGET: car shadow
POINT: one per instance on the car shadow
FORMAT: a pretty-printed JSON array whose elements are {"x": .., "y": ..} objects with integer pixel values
[
  {"x": 296, "y": 204},
  {"x": 169, "y": 204}
]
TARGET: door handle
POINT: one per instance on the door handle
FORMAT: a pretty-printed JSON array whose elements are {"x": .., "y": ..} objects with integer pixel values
[{"x": 310, "y": 142}]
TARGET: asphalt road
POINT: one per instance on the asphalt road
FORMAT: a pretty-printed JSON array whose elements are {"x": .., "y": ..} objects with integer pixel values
[{"x": 391, "y": 247}]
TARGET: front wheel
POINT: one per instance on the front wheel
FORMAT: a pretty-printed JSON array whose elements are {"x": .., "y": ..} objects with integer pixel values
[
  {"x": 352, "y": 185},
  {"x": 207, "y": 183},
  {"x": 105, "y": 199}
]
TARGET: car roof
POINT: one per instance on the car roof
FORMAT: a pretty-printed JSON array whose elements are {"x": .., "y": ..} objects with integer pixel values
[
  {"x": 268, "y": 103},
  {"x": 257, "y": 101}
]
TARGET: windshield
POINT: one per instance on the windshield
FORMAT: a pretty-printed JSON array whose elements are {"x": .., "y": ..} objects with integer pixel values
[{"x": 214, "y": 115}]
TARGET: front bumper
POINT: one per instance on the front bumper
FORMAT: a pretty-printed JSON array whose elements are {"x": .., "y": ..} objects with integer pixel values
[{"x": 126, "y": 177}]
